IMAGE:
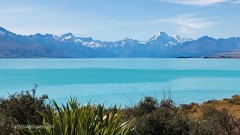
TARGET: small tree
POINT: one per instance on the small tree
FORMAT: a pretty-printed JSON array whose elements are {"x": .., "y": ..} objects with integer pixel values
[
  {"x": 23, "y": 109},
  {"x": 147, "y": 105}
]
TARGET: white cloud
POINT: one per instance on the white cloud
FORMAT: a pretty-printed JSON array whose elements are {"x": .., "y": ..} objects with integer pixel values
[
  {"x": 201, "y": 2},
  {"x": 189, "y": 23},
  {"x": 236, "y": 2},
  {"x": 183, "y": 24}
]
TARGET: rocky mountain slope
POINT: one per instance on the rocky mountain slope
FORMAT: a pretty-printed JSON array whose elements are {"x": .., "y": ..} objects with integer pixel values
[{"x": 69, "y": 46}]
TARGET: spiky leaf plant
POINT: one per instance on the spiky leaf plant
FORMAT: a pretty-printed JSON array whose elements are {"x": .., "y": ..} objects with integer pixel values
[{"x": 74, "y": 119}]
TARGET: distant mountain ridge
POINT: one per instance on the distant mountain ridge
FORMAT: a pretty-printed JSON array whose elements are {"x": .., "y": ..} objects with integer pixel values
[{"x": 69, "y": 46}]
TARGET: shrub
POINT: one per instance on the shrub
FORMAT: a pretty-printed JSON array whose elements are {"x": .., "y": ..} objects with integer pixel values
[
  {"x": 235, "y": 100},
  {"x": 7, "y": 125},
  {"x": 157, "y": 119},
  {"x": 210, "y": 101},
  {"x": 21, "y": 109},
  {"x": 74, "y": 119},
  {"x": 147, "y": 105},
  {"x": 188, "y": 108},
  {"x": 216, "y": 122},
  {"x": 24, "y": 107},
  {"x": 164, "y": 121},
  {"x": 144, "y": 107},
  {"x": 148, "y": 117}
]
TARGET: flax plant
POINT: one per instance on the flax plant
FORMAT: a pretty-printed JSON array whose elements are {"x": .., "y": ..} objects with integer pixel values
[{"x": 74, "y": 119}]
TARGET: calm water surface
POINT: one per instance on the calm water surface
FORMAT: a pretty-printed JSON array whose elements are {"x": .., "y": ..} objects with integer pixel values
[{"x": 122, "y": 81}]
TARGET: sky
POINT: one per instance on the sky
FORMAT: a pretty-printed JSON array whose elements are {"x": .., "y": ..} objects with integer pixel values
[{"x": 112, "y": 20}]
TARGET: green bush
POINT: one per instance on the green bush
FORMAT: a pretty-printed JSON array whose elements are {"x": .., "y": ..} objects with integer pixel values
[
  {"x": 216, "y": 122},
  {"x": 165, "y": 120},
  {"x": 234, "y": 100},
  {"x": 7, "y": 125},
  {"x": 148, "y": 117},
  {"x": 24, "y": 107},
  {"x": 147, "y": 105},
  {"x": 74, "y": 119},
  {"x": 21, "y": 109},
  {"x": 188, "y": 108}
]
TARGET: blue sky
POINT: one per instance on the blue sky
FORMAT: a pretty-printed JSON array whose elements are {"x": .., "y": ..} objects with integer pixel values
[{"x": 112, "y": 20}]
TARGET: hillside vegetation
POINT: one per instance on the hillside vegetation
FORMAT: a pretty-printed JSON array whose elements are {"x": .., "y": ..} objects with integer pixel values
[{"x": 24, "y": 113}]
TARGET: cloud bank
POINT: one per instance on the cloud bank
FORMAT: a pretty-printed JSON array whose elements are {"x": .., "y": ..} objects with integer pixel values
[{"x": 201, "y": 2}]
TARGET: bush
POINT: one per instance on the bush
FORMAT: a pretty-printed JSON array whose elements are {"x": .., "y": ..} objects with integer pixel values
[
  {"x": 216, "y": 122},
  {"x": 144, "y": 107},
  {"x": 22, "y": 109},
  {"x": 235, "y": 100},
  {"x": 74, "y": 119},
  {"x": 157, "y": 119},
  {"x": 147, "y": 105},
  {"x": 188, "y": 108},
  {"x": 210, "y": 101},
  {"x": 7, "y": 125},
  {"x": 148, "y": 117},
  {"x": 164, "y": 121}
]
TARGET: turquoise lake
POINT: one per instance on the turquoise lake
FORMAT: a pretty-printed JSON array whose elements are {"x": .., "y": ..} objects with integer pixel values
[{"x": 122, "y": 81}]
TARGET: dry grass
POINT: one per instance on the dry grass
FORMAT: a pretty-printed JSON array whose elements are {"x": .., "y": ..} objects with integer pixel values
[{"x": 231, "y": 104}]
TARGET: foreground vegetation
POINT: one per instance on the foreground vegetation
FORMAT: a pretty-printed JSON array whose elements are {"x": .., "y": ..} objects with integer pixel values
[{"x": 24, "y": 113}]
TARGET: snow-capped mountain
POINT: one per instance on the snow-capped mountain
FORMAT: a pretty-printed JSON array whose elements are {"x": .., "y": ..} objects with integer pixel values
[
  {"x": 128, "y": 42},
  {"x": 159, "y": 39},
  {"x": 6, "y": 33},
  {"x": 163, "y": 39},
  {"x": 2, "y": 31},
  {"x": 180, "y": 39},
  {"x": 160, "y": 45},
  {"x": 89, "y": 42},
  {"x": 67, "y": 37}
]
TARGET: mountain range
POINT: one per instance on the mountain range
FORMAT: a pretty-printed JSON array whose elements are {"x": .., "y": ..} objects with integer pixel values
[{"x": 161, "y": 45}]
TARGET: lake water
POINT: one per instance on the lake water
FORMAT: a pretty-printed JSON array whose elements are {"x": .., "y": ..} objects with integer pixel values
[{"x": 122, "y": 81}]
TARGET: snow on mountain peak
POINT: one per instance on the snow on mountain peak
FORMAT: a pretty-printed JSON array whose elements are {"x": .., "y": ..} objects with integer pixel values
[
  {"x": 86, "y": 39},
  {"x": 160, "y": 39},
  {"x": 158, "y": 34},
  {"x": 180, "y": 39},
  {"x": 2, "y": 29},
  {"x": 176, "y": 36},
  {"x": 67, "y": 36}
]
